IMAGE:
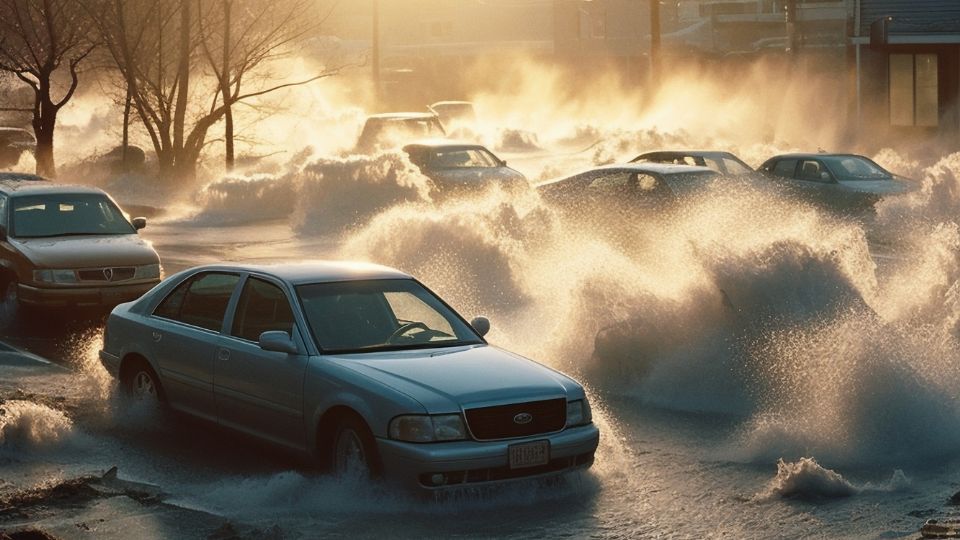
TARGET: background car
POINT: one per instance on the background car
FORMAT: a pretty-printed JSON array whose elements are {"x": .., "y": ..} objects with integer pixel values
[
  {"x": 357, "y": 365},
  {"x": 456, "y": 116},
  {"x": 459, "y": 167},
  {"x": 392, "y": 130},
  {"x": 634, "y": 187},
  {"x": 723, "y": 162},
  {"x": 13, "y": 143},
  {"x": 846, "y": 182},
  {"x": 63, "y": 245}
]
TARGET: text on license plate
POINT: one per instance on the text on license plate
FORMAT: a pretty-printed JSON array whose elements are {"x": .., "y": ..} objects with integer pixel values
[{"x": 529, "y": 454}]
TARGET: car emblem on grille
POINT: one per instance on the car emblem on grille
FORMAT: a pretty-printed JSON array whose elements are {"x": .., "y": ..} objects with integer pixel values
[
  {"x": 108, "y": 274},
  {"x": 523, "y": 418}
]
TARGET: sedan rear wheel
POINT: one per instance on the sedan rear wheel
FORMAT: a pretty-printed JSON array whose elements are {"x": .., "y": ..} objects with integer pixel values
[{"x": 143, "y": 385}]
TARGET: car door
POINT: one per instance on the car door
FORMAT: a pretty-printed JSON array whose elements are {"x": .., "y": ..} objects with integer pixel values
[
  {"x": 186, "y": 334},
  {"x": 260, "y": 391}
]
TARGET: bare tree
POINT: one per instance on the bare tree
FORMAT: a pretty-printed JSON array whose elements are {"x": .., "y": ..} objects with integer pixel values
[
  {"x": 37, "y": 39},
  {"x": 240, "y": 36},
  {"x": 170, "y": 93}
]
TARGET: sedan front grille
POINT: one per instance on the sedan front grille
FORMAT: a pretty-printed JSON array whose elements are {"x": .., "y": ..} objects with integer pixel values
[
  {"x": 517, "y": 419},
  {"x": 120, "y": 273}
]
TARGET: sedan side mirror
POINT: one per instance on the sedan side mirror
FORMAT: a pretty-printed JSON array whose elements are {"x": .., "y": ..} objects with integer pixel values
[
  {"x": 139, "y": 223},
  {"x": 278, "y": 341},
  {"x": 481, "y": 325},
  {"x": 825, "y": 176}
]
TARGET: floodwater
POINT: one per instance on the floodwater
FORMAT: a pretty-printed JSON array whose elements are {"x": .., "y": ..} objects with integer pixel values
[{"x": 758, "y": 368}]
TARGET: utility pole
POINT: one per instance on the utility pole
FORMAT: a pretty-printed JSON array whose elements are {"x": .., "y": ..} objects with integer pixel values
[
  {"x": 791, "y": 17},
  {"x": 377, "y": 90},
  {"x": 654, "y": 41}
]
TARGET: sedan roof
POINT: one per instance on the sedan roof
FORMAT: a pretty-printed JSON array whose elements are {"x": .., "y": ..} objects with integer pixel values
[
  {"x": 301, "y": 273},
  {"x": 813, "y": 155},
  {"x": 639, "y": 167},
  {"x": 23, "y": 186},
  {"x": 436, "y": 144},
  {"x": 402, "y": 116},
  {"x": 656, "y": 168}
]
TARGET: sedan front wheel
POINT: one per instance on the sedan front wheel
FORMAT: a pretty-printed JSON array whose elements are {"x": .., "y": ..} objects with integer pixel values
[{"x": 354, "y": 453}]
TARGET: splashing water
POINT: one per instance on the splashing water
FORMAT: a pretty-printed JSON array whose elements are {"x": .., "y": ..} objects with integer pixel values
[{"x": 25, "y": 425}]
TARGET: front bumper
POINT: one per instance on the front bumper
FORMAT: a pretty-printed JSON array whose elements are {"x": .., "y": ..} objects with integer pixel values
[
  {"x": 472, "y": 463},
  {"x": 82, "y": 296}
]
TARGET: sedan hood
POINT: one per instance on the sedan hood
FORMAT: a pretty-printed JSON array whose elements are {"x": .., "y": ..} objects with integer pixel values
[
  {"x": 443, "y": 380},
  {"x": 86, "y": 251}
]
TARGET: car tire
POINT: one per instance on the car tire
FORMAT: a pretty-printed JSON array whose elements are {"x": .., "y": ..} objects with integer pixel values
[
  {"x": 353, "y": 451},
  {"x": 141, "y": 383}
]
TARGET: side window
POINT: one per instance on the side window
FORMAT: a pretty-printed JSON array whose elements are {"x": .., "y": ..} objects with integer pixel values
[
  {"x": 811, "y": 169},
  {"x": 262, "y": 308},
  {"x": 202, "y": 301},
  {"x": 785, "y": 168},
  {"x": 613, "y": 181}
]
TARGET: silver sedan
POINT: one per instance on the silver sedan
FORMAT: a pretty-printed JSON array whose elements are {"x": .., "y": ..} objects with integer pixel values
[{"x": 359, "y": 366}]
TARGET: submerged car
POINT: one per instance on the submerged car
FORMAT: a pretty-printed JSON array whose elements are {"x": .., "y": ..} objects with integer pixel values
[
  {"x": 723, "y": 162},
  {"x": 392, "y": 130},
  {"x": 632, "y": 186},
  {"x": 455, "y": 166},
  {"x": 14, "y": 142},
  {"x": 63, "y": 245},
  {"x": 456, "y": 116},
  {"x": 846, "y": 182},
  {"x": 357, "y": 365}
]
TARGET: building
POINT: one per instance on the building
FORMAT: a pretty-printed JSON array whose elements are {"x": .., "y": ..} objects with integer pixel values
[{"x": 908, "y": 77}]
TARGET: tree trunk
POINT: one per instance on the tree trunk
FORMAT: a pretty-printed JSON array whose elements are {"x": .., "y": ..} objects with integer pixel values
[
  {"x": 126, "y": 131},
  {"x": 225, "y": 88},
  {"x": 44, "y": 121},
  {"x": 183, "y": 76}
]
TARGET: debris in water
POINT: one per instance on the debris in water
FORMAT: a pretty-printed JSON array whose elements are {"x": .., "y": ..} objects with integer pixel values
[{"x": 949, "y": 528}]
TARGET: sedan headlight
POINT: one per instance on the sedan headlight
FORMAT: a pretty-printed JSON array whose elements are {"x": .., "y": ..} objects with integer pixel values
[
  {"x": 147, "y": 271},
  {"x": 422, "y": 428},
  {"x": 578, "y": 413},
  {"x": 55, "y": 276}
]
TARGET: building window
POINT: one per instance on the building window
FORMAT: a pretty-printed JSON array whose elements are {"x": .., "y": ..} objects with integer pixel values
[
  {"x": 914, "y": 99},
  {"x": 593, "y": 25}
]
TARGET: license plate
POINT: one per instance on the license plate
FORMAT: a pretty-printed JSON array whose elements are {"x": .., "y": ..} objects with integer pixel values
[{"x": 529, "y": 454}]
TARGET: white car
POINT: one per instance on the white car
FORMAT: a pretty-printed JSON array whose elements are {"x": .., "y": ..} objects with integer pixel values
[{"x": 358, "y": 365}]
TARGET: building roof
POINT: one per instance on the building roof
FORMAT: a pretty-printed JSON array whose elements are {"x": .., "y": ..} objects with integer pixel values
[{"x": 912, "y": 17}]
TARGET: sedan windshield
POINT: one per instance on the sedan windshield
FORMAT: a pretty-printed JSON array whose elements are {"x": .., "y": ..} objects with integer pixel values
[
  {"x": 854, "y": 168},
  {"x": 66, "y": 214},
  {"x": 380, "y": 315},
  {"x": 462, "y": 158}
]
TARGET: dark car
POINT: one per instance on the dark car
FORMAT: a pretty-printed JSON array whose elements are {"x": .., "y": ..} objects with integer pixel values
[
  {"x": 391, "y": 130},
  {"x": 723, "y": 162},
  {"x": 13, "y": 143},
  {"x": 456, "y": 167},
  {"x": 64, "y": 245},
  {"x": 846, "y": 182},
  {"x": 631, "y": 187}
]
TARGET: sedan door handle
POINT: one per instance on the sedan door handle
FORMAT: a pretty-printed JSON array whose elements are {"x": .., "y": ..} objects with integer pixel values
[{"x": 223, "y": 355}]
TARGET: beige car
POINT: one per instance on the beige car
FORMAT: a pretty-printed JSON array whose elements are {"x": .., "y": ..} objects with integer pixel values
[{"x": 64, "y": 245}]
